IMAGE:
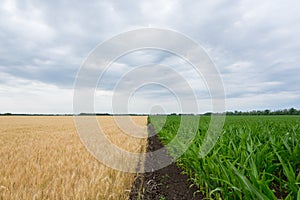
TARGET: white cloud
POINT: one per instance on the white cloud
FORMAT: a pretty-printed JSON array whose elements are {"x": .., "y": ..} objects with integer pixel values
[
  {"x": 25, "y": 24},
  {"x": 26, "y": 96},
  {"x": 273, "y": 101},
  {"x": 254, "y": 44}
]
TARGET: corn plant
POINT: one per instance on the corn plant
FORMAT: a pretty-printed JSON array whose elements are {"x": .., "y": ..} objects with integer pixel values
[{"x": 257, "y": 157}]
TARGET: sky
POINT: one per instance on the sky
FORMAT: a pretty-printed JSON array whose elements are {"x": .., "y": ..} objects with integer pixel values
[{"x": 255, "y": 46}]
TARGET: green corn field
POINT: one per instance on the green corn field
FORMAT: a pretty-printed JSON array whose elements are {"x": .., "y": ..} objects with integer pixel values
[{"x": 256, "y": 157}]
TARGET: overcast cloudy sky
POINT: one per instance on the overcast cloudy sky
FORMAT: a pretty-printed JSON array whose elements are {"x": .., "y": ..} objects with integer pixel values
[{"x": 254, "y": 44}]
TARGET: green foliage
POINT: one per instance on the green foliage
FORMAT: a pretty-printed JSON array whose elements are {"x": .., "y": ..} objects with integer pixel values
[
  {"x": 291, "y": 111},
  {"x": 257, "y": 157}
]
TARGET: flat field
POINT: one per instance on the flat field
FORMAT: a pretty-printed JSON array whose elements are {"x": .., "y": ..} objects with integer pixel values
[
  {"x": 43, "y": 158},
  {"x": 256, "y": 157}
]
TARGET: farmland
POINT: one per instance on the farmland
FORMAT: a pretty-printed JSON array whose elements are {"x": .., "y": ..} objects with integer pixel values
[
  {"x": 43, "y": 158},
  {"x": 256, "y": 157}
]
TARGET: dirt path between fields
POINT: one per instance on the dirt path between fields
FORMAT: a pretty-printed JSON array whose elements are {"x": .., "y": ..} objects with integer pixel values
[{"x": 167, "y": 183}]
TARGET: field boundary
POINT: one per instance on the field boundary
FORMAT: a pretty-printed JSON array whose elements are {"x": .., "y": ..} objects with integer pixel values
[{"x": 166, "y": 183}]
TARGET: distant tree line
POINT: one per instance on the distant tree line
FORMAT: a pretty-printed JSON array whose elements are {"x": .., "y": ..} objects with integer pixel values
[
  {"x": 24, "y": 114},
  {"x": 6, "y": 114},
  {"x": 291, "y": 111},
  {"x": 109, "y": 114}
]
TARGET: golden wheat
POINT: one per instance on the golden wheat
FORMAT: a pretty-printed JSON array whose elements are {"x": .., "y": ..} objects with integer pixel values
[{"x": 43, "y": 158}]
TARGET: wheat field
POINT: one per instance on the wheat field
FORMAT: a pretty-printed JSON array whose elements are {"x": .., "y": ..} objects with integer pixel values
[{"x": 43, "y": 158}]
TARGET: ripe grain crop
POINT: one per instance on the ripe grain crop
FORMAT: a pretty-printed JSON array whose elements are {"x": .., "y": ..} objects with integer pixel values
[{"x": 43, "y": 158}]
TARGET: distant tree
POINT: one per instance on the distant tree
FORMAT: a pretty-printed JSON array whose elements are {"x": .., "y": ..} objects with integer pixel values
[
  {"x": 253, "y": 112},
  {"x": 292, "y": 111},
  {"x": 267, "y": 112},
  {"x": 229, "y": 113},
  {"x": 208, "y": 114}
]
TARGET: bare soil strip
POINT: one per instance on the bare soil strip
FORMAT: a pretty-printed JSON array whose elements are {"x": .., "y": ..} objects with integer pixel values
[{"x": 167, "y": 183}]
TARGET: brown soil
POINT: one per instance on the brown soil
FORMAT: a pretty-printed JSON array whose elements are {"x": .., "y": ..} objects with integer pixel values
[{"x": 166, "y": 183}]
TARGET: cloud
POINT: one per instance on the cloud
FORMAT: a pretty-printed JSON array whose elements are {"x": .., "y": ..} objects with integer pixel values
[
  {"x": 254, "y": 44},
  {"x": 19, "y": 95}
]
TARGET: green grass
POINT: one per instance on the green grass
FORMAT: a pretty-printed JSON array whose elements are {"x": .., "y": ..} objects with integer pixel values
[{"x": 256, "y": 157}]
